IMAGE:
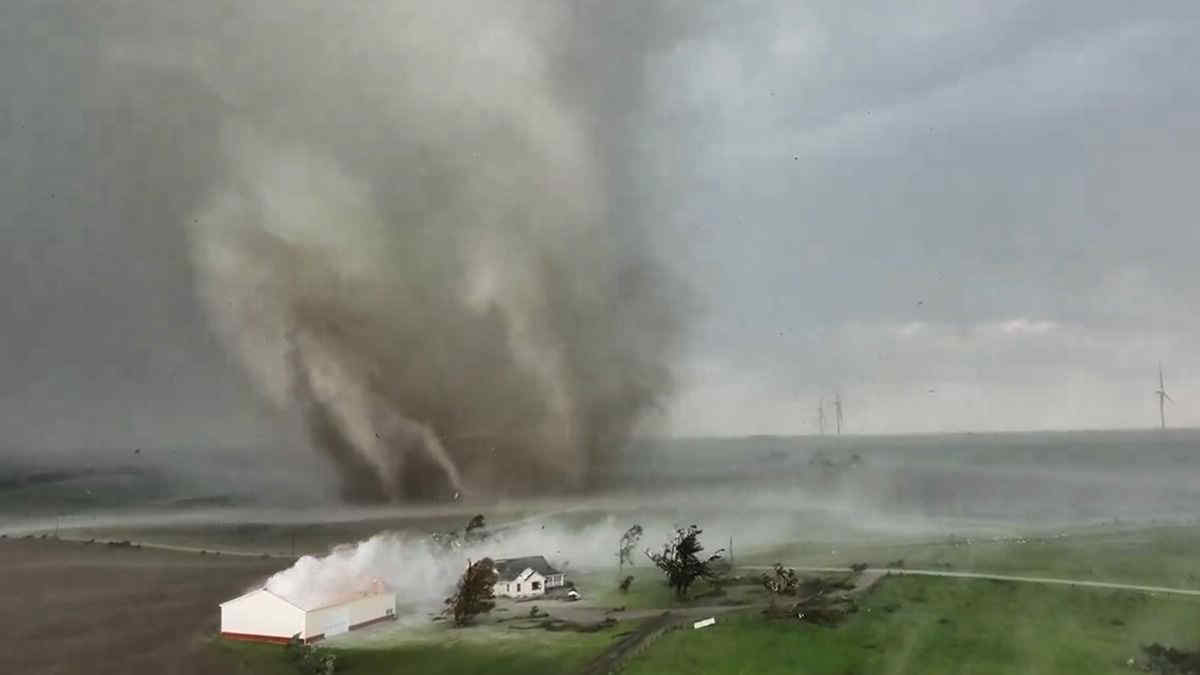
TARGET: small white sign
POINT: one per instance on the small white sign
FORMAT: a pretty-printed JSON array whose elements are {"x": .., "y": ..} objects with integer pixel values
[{"x": 705, "y": 623}]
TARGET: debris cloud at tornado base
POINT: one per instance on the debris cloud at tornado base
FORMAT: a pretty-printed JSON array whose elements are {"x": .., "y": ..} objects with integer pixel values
[{"x": 415, "y": 226}]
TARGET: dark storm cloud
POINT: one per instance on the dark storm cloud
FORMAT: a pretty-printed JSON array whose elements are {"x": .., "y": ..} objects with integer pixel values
[
  {"x": 962, "y": 215},
  {"x": 103, "y": 341}
]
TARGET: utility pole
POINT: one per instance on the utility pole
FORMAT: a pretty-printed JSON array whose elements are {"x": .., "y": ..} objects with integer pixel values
[
  {"x": 731, "y": 552},
  {"x": 821, "y": 416},
  {"x": 837, "y": 411}
]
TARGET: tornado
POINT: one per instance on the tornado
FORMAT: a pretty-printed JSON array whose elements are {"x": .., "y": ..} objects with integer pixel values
[{"x": 421, "y": 234}]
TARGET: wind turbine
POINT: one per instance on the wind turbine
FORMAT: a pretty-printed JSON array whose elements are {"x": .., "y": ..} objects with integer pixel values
[
  {"x": 837, "y": 411},
  {"x": 821, "y": 416},
  {"x": 1163, "y": 397}
]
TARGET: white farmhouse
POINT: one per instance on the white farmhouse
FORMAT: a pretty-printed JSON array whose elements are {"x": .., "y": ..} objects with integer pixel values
[
  {"x": 262, "y": 616},
  {"x": 525, "y": 577}
]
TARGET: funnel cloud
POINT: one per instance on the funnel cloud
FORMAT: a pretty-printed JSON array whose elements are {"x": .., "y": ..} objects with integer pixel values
[{"x": 426, "y": 262}]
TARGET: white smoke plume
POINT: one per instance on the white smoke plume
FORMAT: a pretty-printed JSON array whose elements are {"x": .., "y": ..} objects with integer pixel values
[{"x": 422, "y": 572}]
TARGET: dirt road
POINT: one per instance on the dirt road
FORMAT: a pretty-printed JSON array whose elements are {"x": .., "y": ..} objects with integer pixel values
[{"x": 1001, "y": 577}]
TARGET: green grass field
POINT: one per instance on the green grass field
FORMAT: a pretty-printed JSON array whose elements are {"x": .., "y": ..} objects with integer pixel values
[
  {"x": 1157, "y": 556},
  {"x": 929, "y": 626},
  {"x": 649, "y": 590}
]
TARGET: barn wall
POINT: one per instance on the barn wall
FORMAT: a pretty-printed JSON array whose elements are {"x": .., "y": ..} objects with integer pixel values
[
  {"x": 261, "y": 614},
  {"x": 349, "y": 615}
]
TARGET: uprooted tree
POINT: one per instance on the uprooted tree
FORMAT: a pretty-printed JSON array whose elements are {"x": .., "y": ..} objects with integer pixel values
[
  {"x": 629, "y": 541},
  {"x": 474, "y": 593},
  {"x": 681, "y": 562},
  {"x": 780, "y": 581},
  {"x": 814, "y": 600}
]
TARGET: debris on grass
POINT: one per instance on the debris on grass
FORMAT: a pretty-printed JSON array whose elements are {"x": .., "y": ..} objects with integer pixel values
[
  {"x": 715, "y": 592},
  {"x": 823, "y": 602},
  {"x": 1166, "y": 660},
  {"x": 557, "y": 625},
  {"x": 828, "y": 615},
  {"x": 743, "y": 580}
]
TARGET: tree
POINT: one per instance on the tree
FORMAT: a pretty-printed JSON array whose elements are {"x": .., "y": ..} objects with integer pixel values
[
  {"x": 474, "y": 594},
  {"x": 629, "y": 541},
  {"x": 308, "y": 659},
  {"x": 680, "y": 562}
]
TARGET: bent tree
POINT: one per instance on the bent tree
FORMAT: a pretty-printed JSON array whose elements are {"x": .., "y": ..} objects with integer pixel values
[
  {"x": 629, "y": 541},
  {"x": 681, "y": 562},
  {"x": 474, "y": 593}
]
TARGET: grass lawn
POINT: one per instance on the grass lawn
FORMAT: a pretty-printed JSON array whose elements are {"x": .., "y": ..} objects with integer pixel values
[
  {"x": 1159, "y": 556},
  {"x": 649, "y": 590},
  {"x": 492, "y": 650},
  {"x": 929, "y": 626}
]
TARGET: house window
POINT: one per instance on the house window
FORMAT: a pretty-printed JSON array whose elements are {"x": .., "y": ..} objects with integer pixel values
[
  {"x": 537, "y": 585},
  {"x": 508, "y": 587}
]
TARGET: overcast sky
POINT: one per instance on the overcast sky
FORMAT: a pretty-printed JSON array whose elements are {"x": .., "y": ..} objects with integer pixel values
[{"x": 965, "y": 216}]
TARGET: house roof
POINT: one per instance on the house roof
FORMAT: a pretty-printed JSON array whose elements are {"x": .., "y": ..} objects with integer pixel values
[{"x": 511, "y": 568}]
